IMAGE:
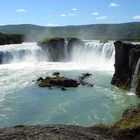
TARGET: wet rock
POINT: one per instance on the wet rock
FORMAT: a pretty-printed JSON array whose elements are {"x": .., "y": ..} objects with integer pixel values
[
  {"x": 63, "y": 82},
  {"x": 58, "y": 82},
  {"x": 63, "y": 88},
  {"x": 126, "y": 58},
  {"x": 54, "y": 48},
  {"x": 39, "y": 79},
  {"x": 56, "y": 73},
  {"x": 84, "y": 76}
]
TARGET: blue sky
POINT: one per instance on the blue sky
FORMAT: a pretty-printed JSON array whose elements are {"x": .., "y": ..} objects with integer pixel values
[{"x": 68, "y": 12}]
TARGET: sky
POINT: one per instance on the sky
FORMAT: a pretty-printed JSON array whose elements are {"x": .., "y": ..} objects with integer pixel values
[{"x": 68, "y": 12}]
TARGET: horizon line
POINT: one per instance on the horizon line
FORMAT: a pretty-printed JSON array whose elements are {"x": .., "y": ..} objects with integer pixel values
[{"x": 67, "y": 25}]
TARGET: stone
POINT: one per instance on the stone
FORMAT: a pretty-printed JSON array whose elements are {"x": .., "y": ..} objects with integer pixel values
[
  {"x": 61, "y": 82},
  {"x": 56, "y": 73}
]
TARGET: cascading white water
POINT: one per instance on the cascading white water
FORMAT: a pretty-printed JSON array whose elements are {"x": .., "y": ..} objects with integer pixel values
[
  {"x": 66, "y": 50},
  {"x": 26, "y": 52},
  {"x": 135, "y": 78},
  {"x": 93, "y": 54}
]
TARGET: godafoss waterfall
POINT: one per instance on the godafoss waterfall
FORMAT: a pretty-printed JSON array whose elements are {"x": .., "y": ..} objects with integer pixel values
[{"x": 22, "y": 101}]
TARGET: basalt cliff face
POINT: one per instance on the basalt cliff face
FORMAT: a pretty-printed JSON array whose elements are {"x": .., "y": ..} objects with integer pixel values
[{"x": 126, "y": 59}]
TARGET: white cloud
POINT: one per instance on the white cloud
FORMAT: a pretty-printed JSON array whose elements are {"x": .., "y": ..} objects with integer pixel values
[
  {"x": 114, "y": 4},
  {"x": 71, "y": 14},
  {"x": 101, "y": 17},
  {"x": 74, "y": 9},
  {"x": 136, "y": 17},
  {"x": 51, "y": 24},
  {"x": 95, "y": 14},
  {"x": 21, "y": 10},
  {"x": 63, "y": 15}
]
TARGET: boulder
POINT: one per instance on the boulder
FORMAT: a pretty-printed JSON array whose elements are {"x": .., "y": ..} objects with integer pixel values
[
  {"x": 84, "y": 76},
  {"x": 56, "y": 73},
  {"x": 54, "y": 48}
]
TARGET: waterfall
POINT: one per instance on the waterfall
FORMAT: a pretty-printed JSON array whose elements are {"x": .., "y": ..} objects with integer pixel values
[
  {"x": 135, "y": 78},
  {"x": 94, "y": 53},
  {"x": 15, "y": 53},
  {"x": 66, "y": 50}
]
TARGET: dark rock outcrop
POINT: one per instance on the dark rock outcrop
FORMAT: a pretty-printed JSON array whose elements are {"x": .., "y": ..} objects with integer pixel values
[
  {"x": 11, "y": 39},
  {"x": 127, "y": 128},
  {"x": 126, "y": 58},
  {"x": 63, "y": 82},
  {"x": 54, "y": 48},
  {"x": 56, "y": 73},
  {"x": 83, "y": 78}
]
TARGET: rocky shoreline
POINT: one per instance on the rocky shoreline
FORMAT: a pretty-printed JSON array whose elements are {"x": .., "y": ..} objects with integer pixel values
[{"x": 127, "y": 128}]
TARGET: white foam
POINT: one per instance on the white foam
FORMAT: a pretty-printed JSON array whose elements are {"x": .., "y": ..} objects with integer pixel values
[{"x": 131, "y": 94}]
